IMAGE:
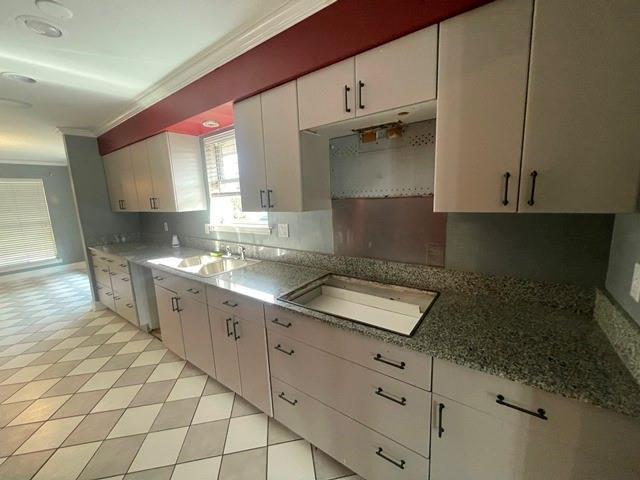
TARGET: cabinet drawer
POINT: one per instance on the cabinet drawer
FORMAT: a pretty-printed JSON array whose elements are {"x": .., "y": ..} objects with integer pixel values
[
  {"x": 120, "y": 265},
  {"x": 393, "y": 408},
  {"x": 105, "y": 295},
  {"x": 99, "y": 262},
  {"x": 191, "y": 290},
  {"x": 165, "y": 280},
  {"x": 234, "y": 303},
  {"x": 126, "y": 308},
  {"x": 102, "y": 276},
  {"x": 570, "y": 423},
  {"x": 406, "y": 365},
  {"x": 121, "y": 283},
  {"x": 356, "y": 446}
]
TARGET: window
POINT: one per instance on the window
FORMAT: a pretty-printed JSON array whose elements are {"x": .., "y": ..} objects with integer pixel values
[
  {"x": 224, "y": 188},
  {"x": 26, "y": 235}
]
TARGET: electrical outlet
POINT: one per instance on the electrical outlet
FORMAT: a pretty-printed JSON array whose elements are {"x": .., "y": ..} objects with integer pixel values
[
  {"x": 635, "y": 283},
  {"x": 283, "y": 229},
  {"x": 165, "y": 226}
]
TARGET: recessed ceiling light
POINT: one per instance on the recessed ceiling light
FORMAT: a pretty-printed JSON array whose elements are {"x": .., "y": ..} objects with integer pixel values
[
  {"x": 39, "y": 26},
  {"x": 210, "y": 124},
  {"x": 17, "y": 77},
  {"x": 9, "y": 102},
  {"x": 54, "y": 9}
]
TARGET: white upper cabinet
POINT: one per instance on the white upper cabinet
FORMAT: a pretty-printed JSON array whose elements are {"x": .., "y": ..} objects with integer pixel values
[
  {"x": 119, "y": 174},
  {"x": 583, "y": 108},
  {"x": 482, "y": 83},
  {"x": 402, "y": 72},
  {"x": 111, "y": 173},
  {"x": 327, "y": 95},
  {"x": 281, "y": 168},
  {"x": 166, "y": 172}
]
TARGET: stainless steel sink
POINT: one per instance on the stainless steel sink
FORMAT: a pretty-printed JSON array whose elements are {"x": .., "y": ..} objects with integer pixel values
[{"x": 204, "y": 265}]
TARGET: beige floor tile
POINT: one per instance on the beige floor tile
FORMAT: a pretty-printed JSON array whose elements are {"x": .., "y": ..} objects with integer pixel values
[
  {"x": 326, "y": 467},
  {"x": 79, "y": 353},
  {"x": 12, "y": 410},
  {"x": 187, "y": 388},
  {"x": 204, "y": 440},
  {"x": 117, "y": 398},
  {"x": 214, "y": 407},
  {"x": 290, "y": 461},
  {"x": 246, "y": 433},
  {"x": 21, "y": 467},
  {"x": 247, "y": 465},
  {"x": 40, "y": 410},
  {"x": 149, "y": 358},
  {"x": 175, "y": 414},
  {"x": 278, "y": 433},
  {"x": 25, "y": 374},
  {"x": 89, "y": 365},
  {"x": 94, "y": 427},
  {"x": 113, "y": 457},
  {"x": 102, "y": 380},
  {"x": 50, "y": 435},
  {"x": 135, "y": 420},
  {"x": 206, "y": 469},
  {"x": 122, "y": 337},
  {"x": 12, "y": 437},
  {"x": 67, "y": 385},
  {"x": 20, "y": 361},
  {"x": 32, "y": 390},
  {"x": 79, "y": 404},
  {"x": 159, "y": 449},
  {"x": 134, "y": 376},
  {"x": 71, "y": 342},
  {"x": 67, "y": 463},
  {"x": 166, "y": 371}
]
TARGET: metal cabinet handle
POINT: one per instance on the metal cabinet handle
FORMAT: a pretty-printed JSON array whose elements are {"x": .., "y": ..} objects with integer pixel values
[
  {"x": 116, "y": 298},
  {"x": 125, "y": 279},
  {"x": 269, "y": 204},
  {"x": 541, "y": 414},
  {"x": 104, "y": 270},
  {"x": 278, "y": 322},
  {"x": 347, "y": 89},
  {"x": 151, "y": 203},
  {"x": 533, "y": 175},
  {"x": 262, "y": 205},
  {"x": 193, "y": 290},
  {"x": 229, "y": 303},
  {"x": 109, "y": 294},
  {"x": 398, "y": 463},
  {"x": 229, "y": 332},
  {"x": 113, "y": 274},
  {"x": 283, "y": 397},
  {"x": 288, "y": 352},
  {"x": 440, "y": 427},
  {"x": 128, "y": 305},
  {"x": 505, "y": 200},
  {"x": 381, "y": 359},
  {"x": 379, "y": 391},
  {"x": 235, "y": 332},
  {"x": 158, "y": 277},
  {"x": 360, "y": 85},
  {"x": 123, "y": 265},
  {"x": 124, "y": 204},
  {"x": 109, "y": 260},
  {"x": 178, "y": 309},
  {"x": 173, "y": 304}
]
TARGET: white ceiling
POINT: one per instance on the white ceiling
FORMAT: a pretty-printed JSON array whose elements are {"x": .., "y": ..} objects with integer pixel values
[{"x": 112, "y": 55}]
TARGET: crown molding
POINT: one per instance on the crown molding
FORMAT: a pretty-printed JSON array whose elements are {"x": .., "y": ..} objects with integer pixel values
[
  {"x": 217, "y": 54},
  {"x": 49, "y": 163},
  {"x": 81, "y": 132}
]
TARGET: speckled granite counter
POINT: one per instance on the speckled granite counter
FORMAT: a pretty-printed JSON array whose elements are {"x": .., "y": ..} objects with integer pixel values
[{"x": 555, "y": 350}]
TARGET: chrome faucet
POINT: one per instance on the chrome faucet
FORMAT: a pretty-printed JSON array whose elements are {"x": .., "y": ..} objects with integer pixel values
[
  {"x": 242, "y": 251},
  {"x": 227, "y": 251}
]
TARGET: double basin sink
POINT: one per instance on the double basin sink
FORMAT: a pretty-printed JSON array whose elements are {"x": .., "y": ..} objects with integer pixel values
[{"x": 204, "y": 265}]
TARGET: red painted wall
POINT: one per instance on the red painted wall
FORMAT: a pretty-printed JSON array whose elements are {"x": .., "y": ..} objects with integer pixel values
[{"x": 341, "y": 30}]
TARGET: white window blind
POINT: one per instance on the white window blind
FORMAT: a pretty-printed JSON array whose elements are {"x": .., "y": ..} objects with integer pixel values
[
  {"x": 25, "y": 226},
  {"x": 222, "y": 164}
]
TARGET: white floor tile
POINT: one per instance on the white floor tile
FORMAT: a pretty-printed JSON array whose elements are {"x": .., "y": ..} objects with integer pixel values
[
  {"x": 149, "y": 358},
  {"x": 189, "y": 387},
  {"x": 214, "y": 407},
  {"x": 16, "y": 349},
  {"x": 111, "y": 328},
  {"x": 122, "y": 336},
  {"x": 159, "y": 449},
  {"x": 26, "y": 374},
  {"x": 79, "y": 353},
  {"x": 166, "y": 371},
  {"x": 64, "y": 333},
  {"x": 40, "y": 410},
  {"x": 116, "y": 398},
  {"x": 101, "y": 381},
  {"x": 290, "y": 461},
  {"x": 32, "y": 390},
  {"x": 13, "y": 339},
  {"x": 206, "y": 469},
  {"x": 21, "y": 360},
  {"x": 89, "y": 365},
  {"x": 136, "y": 420},
  {"x": 72, "y": 342},
  {"x": 134, "y": 347},
  {"x": 50, "y": 435},
  {"x": 246, "y": 433},
  {"x": 67, "y": 463}
]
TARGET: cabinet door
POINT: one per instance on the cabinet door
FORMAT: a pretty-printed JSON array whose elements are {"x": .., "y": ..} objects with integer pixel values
[
  {"x": 170, "y": 325},
  {"x": 196, "y": 334},
  {"x": 161, "y": 174},
  {"x": 247, "y": 118},
  {"x": 398, "y": 73},
  {"x": 328, "y": 95},
  {"x": 127, "y": 180},
  {"x": 482, "y": 81},
  {"x": 581, "y": 134},
  {"x": 225, "y": 351},
  {"x": 282, "y": 148},
  {"x": 254, "y": 364},
  {"x": 112, "y": 175},
  {"x": 142, "y": 175}
]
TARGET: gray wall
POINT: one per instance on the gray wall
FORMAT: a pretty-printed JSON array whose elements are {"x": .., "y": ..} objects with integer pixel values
[
  {"x": 57, "y": 187},
  {"x": 625, "y": 252},
  {"x": 97, "y": 220}
]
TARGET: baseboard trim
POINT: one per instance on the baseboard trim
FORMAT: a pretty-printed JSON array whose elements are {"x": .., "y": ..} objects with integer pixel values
[{"x": 67, "y": 267}]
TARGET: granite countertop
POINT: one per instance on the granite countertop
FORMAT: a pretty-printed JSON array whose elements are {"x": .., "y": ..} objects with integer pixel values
[{"x": 557, "y": 351}]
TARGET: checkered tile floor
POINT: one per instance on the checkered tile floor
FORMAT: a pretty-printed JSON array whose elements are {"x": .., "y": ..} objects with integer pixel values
[{"x": 85, "y": 395}]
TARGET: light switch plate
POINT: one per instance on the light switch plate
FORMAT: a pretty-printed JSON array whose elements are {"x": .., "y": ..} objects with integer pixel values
[
  {"x": 635, "y": 283},
  {"x": 165, "y": 226},
  {"x": 283, "y": 229}
]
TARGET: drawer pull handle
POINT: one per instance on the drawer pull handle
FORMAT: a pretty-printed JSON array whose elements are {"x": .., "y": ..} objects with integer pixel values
[
  {"x": 531, "y": 200},
  {"x": 541, "y": 414},
  {"x": 113, "y": 274},
  {"x": 278, "y": 322},
  {"x": 123, "y": 265},
  {"x": 129, "y": 305},
  {"x": 109, "y": 260},
  {"x": 158, "y": 277},
  {"x": 108, "y": 294},
  {"x": 193, "y": 290},
  {"x": 236, "y": 337},
  {"x": 229, "y": 303},
  {"x": 229, "y": 332},
  {"x": 379, "y": 391},
  {"x": 380, "y": 358},
  {"x": 398, "y": 463},
  {"x": 173, "y": 304},
  {"x": 104, "y": 270},
  {"x": 124, "y": 279},
  {"x": 283, "y": 397},
  {"x": 279, "y": 347},
  {"x": 440, "y": 427}
]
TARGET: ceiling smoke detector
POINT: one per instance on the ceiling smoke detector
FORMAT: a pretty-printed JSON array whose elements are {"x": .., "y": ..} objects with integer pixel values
[
  {"x": 210, "y": 124},
  {"x": 17, "y": 77},
  {"x": 54, "y": 9},
  {"x": 39, "y": 25}
]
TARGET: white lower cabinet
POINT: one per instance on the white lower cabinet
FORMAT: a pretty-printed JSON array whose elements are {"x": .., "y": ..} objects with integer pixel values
[
  {"x": 113, "y": 284},
  {"x": 170, "y": 324},
  {"x": 196, "y": 334},
  {"x": 126, "y": 308},
  {"x": 225, "y": 351},
  {"x": 105, "y": 295}
]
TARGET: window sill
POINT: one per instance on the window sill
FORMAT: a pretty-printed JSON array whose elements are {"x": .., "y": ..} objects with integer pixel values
[{"x": 250, "y": 229}]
